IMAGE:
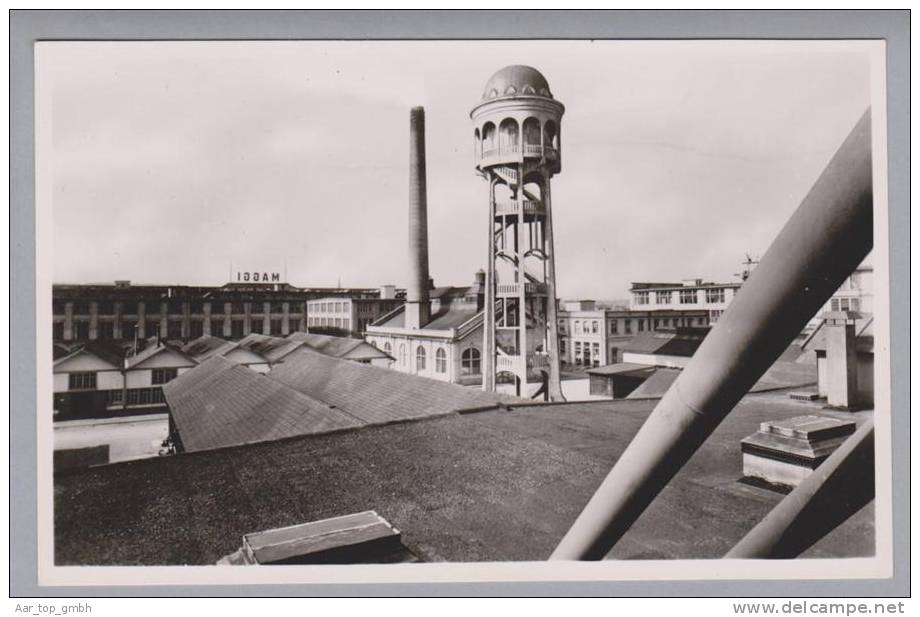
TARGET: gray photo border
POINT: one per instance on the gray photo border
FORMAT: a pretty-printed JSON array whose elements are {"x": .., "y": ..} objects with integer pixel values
[{"x": 27, "y": 27}]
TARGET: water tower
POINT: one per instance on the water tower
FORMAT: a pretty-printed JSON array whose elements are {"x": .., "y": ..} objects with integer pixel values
[{"x": 517, "y": 150}]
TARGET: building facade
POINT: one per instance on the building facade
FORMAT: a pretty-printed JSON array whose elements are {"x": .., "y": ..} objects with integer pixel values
[
  {"x": 347, "y": 316},
  {"x": 591, "y": 336},
  {"x": 123, "y": 312},
  {"x": 689, "y": 294}
]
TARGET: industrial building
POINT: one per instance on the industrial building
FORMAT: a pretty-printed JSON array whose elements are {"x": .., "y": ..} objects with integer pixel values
[
  {"x": 343, "y": 316},
  {"x": 592, "y": 336},
  {"x": 697, "y": 294},
  {"x": 124, "y": 311}
]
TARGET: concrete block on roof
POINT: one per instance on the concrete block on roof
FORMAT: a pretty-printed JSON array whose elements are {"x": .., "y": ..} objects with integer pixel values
[{"x": 785, "y": 452}]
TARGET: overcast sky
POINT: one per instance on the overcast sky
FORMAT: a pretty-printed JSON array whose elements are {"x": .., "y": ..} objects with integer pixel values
[{"x": 173, "y": 160}]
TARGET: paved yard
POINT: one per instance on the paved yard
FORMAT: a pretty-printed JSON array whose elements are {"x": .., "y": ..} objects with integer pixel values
[{"x": 127, "y": 438}]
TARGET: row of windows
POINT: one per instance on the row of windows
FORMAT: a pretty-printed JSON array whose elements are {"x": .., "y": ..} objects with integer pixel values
[
  {"x": 587, "y": 354},
  {"x": 329, "y": 322},
  {"x": 470, "y": 359},
  {"x": 173, "y": 307},
  {"x": 105, "y": 331},
  {"x": 687, "y": 296},
  {"x": 845, "y": 304},
  {"x": 136, "y": 396},
  {"x": 328, "y": 307},
  {"x": 87, "y": 380},
  {"x": 593, "y": 327}
]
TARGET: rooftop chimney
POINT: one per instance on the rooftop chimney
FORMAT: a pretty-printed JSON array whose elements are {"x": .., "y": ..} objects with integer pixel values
[{"x": 418, "y": 309}]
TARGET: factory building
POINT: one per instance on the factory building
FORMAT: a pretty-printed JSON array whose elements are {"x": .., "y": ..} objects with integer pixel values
[
  {"x": 688, "y": 294},
  {"x": 592, "y": 336},
  {"x": 123, "y": 311},
  {"x": 343, "y": 316}
]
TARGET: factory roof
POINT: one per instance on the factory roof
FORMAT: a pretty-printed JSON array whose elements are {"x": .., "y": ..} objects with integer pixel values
[
  {"x": 453, "y": 307},
  {"x": 221, "y": 403},
  {"x": 153, "y": 350},
  {"x": 374, "y": 394},
  {"x": 338, "y": 346},
  {"x": 489, "y": 486},
  {"x": 623, "y": 368},
  {"x": 206, "y": 346},
  {"x": 516, "y": 80},
  {"x": 272, "y": 348},
  {"x": 679, "y": 342}
]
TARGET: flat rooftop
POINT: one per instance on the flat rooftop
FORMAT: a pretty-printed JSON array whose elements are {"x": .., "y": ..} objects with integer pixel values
[{"x": 489, "y": 486}]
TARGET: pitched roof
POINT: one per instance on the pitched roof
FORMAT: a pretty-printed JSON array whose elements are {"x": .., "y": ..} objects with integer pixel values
[
  {"x": 206, "y": 346},
  {"x": 272, "y": 348},
  {"x": 221, "y": 403},
  {"x": 374, "y": 394},
  {"x": 452, "y": 312},
  {"x": 338, "y": 346},
  {"x": 680, "y": 342},
  {"x": 153, "y": 350}
]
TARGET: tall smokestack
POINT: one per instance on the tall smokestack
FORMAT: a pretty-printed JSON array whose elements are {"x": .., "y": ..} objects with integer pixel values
[{"x": 418, "y": 307}]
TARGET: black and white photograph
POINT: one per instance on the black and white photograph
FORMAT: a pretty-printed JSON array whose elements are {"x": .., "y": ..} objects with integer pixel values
[{"x": 477, "y": 310}]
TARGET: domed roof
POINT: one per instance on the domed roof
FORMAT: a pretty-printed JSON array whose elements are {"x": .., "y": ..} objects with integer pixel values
[{"x": 516, "y": 80}]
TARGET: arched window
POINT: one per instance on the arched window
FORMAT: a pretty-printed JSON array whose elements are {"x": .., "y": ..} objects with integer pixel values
[
  {"x": 477, "y": 144},
  {"x": 577, "y": 328},
  {"x": 508, "y": 135},
  {"x": 420, "y": 358},
  {"x": 388, "y": 349},
  {"x": 440, "y": 361},
  {"x": 531, "y": 132},
  {"x": 550, "y": 134},
  {"x": 402, "y": 355},
  {"x": 488, "y": 138},
  {"x": 470, "y": 362}
]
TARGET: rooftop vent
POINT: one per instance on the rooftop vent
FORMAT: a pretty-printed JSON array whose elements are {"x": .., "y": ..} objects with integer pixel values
[{"x": 365, "y": 537}]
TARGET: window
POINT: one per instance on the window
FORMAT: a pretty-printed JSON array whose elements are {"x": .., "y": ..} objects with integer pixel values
[
  {"x": 627, "y": 326},
  {"x": 714, "y": 316},
  {"x": 106, "y": 307},
  {"x": 470, "y": 362},
  {"x": 613, "y": 326},
  {"x": 835, "y": 304},
  {"x": 420, "y": 358},
  {"x": 217, "y": 327},
  {"x": 387, "y": 349},
  {"x": 163, "y": 375},
  {"x": 641, "y": 325},
  {"x": 82, "y": 381},
  {"x": 236, "y": 328},
  {"x": 577, "y": 328},
  {"x": 663, "y": 297},
  {"x": 657, "y": 323},
  {"x": 641, "y": 297},
  {"x": 81, "y": 331},
  {"x": 338, "y": 322},
  {"x": 715, "y": 295},
  {"x": 595, "y": 354},
  {"x": 257, "y": 326},
  {"x": 106, "y": 331},
  {"x": 57, "y": 331},
  {"x": 594, "y": 327},
  {"x": 403, "y": 359},
  {"x": 577, "y": 352},
  {"x": 293, "y": 325},
  {"x": 562, "y": 347},
  {"x": 275, "y": 326},
  {"x": 346, "y": 324},
  {"x": 237, "y": 307},
  {"x": 174, "y": 329},
  {"x": 113, "y": 397},
  {"x": 688, "y": 296},
  {"x": 440, "y": 361}
]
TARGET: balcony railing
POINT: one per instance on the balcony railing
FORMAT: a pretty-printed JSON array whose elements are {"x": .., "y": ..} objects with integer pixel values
[
  {"x": 510, "y": 207},
  {"x": 501, "y": 153},
  {"x": 514, "y": 289}
]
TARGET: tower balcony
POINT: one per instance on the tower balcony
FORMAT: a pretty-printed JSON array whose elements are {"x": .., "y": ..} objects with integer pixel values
[
  {"x": 513, "y": 290},
  {"x": 510, "y": 208},
  {"x": 513, "y": 153}
]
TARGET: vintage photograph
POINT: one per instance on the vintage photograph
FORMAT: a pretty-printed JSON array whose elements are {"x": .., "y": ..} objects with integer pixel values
[{"x": 414, "y": 304}]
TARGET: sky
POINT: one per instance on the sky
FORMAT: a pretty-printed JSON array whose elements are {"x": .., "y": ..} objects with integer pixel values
[{"x": 181, "y": 162}]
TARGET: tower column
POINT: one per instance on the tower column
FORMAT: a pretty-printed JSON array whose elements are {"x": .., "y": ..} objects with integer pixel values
[
  {"x": 552, "y": 338},
  {"x": 488, "y": 325}
]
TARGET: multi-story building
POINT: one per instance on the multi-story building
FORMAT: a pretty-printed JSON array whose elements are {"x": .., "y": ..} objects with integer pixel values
[
  {"x": 693, "y": 294},
  {"x": 593, "y": 336},
  {"x": 342, "y": 316},
  {"x": 123, "y": 312},
  {"x": 855, "y": 295}
]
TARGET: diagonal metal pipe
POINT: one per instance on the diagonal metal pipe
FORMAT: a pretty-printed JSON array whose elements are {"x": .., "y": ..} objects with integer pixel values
[
  {"x": 821, "y": 244},
  {"x": 836, "y": 490}
]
